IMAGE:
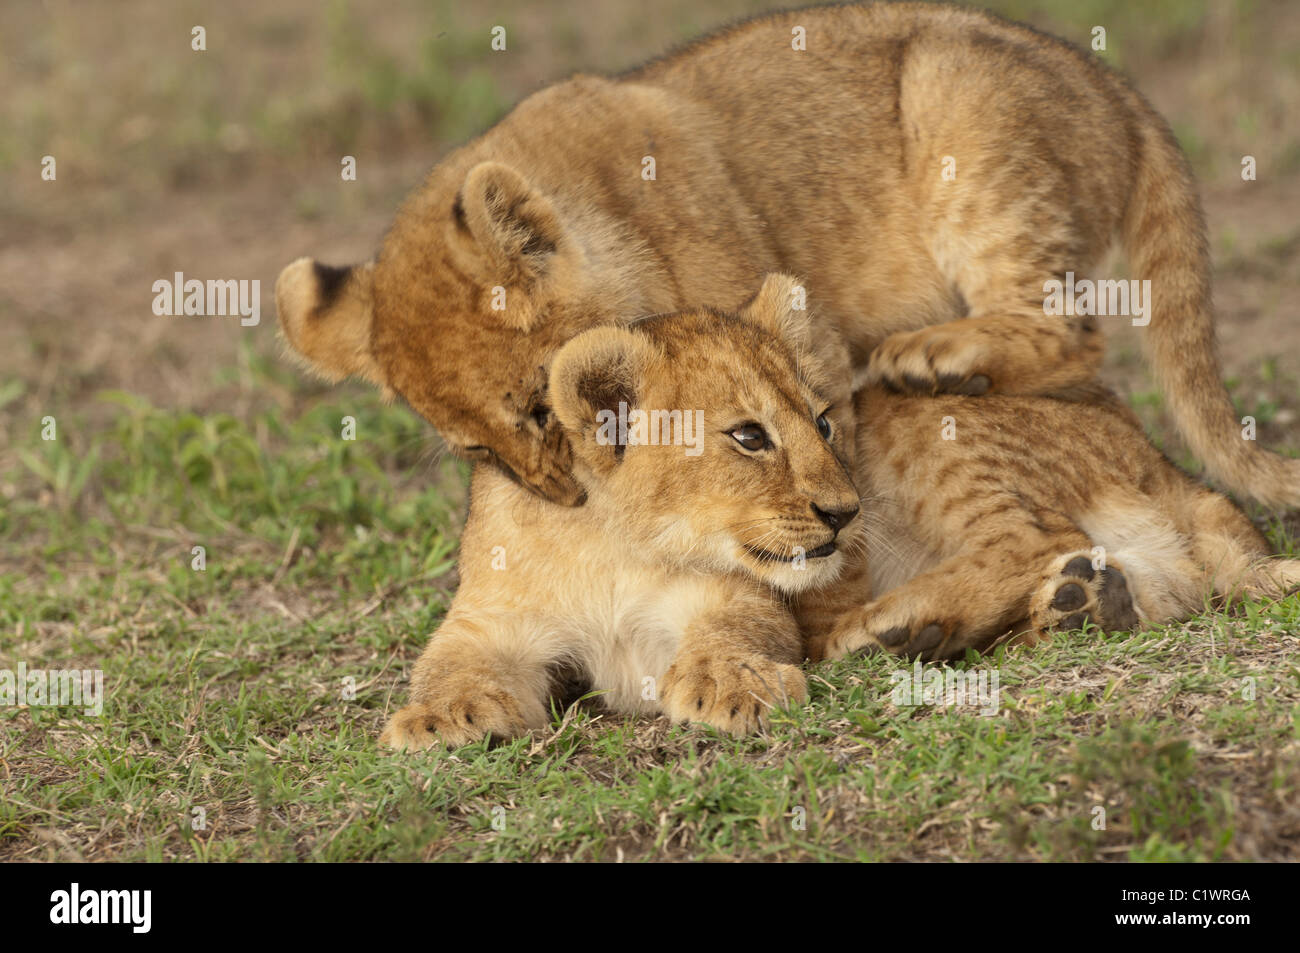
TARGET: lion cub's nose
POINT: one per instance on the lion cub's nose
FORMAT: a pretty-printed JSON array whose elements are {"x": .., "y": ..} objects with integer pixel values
[{"x": 835, "y": 518}]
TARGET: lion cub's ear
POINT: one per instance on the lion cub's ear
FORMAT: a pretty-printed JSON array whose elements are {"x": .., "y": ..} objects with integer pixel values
[
  {"x": 325, "y": 315},
  {"x": 591, "y": 376},
  {"x": 516, "y": 225},
  {"x": 781, "y": 306}
]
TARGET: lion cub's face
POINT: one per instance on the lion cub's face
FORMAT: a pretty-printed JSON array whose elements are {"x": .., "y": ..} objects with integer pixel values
[
  {"x": 477, "y": 286},
  {"x": 719, "y": 442}
]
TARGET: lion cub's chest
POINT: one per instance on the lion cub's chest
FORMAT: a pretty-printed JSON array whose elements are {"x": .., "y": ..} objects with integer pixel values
[
  {"x": 630, "y": 631},
  {"x": 576, "y": 590}
]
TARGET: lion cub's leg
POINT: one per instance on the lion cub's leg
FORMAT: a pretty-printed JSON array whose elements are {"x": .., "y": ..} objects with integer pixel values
[
  {"x": 999, "y": 258},
  {"x": 475, "y": 679},
  {"x": 1001, "y": 353},
  {"x": 817, "y": 610},
  {"x": 1171, "y": 559},
  {"x": 967, "y": 601},
  {"x": 736, "y": 662}
]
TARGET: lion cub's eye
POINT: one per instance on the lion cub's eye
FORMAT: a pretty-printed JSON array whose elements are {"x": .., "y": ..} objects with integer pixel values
[
  {"x": 751, "y": 437},
  {"x": 824, "y": 427}
]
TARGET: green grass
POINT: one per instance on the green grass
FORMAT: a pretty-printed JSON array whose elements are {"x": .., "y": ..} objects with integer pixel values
[{"x": 330, "y": 561}]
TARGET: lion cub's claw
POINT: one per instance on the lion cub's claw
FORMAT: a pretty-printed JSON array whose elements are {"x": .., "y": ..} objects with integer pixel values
[
  {"x": 732, "y": 694},
  {"x": 453, "y": 721}
]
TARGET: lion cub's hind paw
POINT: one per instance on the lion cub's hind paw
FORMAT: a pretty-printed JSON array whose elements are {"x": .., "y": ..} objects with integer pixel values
[{"x": 1075, "y": 594}]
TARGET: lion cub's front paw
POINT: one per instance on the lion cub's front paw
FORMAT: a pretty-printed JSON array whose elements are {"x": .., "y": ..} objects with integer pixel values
[
  {"x": 459, "y": 718},
  {"x": 936, "y": 360},
  {"x": 733, "y": 694},
  {"x": 1075, "y": 593}
]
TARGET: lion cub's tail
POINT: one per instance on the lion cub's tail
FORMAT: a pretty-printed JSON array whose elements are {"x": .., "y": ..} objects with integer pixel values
[{"x": 1165, "y": 239}]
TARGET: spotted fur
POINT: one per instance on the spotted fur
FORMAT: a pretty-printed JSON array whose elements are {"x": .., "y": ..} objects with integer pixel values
[{"x": 1011, "y": 517}]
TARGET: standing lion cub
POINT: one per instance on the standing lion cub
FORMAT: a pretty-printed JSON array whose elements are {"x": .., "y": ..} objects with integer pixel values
[
  {"x": 671, "y": 590},
  {"x": 930, "y": 170}
]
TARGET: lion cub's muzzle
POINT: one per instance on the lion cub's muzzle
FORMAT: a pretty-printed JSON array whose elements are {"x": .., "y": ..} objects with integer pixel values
[
  {"x": 549, "y": 477},
  {"x": 562, "y": 489},
  {"x": 559, "y": 488}
]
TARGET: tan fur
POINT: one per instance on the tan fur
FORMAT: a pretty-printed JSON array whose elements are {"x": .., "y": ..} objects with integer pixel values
[
  {"x": 653, "y": 595},
  {"x": 331, "y": 345},
  {"x": 655, "y": 592},
  {"x": 827, "y": 163},
  {"x": 999, "y": 517}
]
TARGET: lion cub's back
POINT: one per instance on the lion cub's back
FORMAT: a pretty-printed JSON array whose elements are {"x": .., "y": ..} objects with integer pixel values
[{"x": 1044, "y": 453}]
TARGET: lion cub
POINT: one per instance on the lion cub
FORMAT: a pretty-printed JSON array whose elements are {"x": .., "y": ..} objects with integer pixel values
[
  {"x": 931, "y": 170},
  {"x": 717, "y": 452},
  {"x": 718, "y": 479},
  {"x": 1016, "y": 516}
]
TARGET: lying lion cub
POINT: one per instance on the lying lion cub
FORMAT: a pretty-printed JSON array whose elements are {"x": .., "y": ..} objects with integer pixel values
[
  {"x": 1024, "y": 515},
  {"x": 666, "y": 591}
]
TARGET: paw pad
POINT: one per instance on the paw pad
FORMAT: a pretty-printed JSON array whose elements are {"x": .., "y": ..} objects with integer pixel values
[
  {"x": 892, "y": 638},
  {"x": 1080, "y": 567},
  {"x": 927, "y": 639},
  {"x": 1078, "y": 594},
  {"x": 974, "y": 386},
  {"x": 1069, "y": 597}
]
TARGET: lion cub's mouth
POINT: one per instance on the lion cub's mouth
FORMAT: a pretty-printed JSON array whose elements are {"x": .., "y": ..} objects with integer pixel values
[{"x": 767, "y": 556}]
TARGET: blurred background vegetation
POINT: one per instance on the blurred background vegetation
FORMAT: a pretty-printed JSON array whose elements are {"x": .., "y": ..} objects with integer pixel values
[{"x": 115, "y": 91}]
